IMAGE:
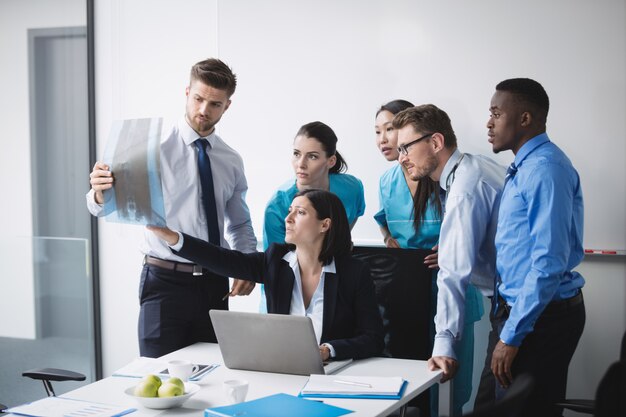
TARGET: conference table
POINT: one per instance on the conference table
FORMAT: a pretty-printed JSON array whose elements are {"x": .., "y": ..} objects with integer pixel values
[{"x": 110, "y": 390}]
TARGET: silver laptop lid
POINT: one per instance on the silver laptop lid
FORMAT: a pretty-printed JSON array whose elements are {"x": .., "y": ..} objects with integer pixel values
[{"x": 267, "y": 342}]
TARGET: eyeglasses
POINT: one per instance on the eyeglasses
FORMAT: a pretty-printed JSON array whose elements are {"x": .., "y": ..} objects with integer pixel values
[{"x": 404, "y": 149}]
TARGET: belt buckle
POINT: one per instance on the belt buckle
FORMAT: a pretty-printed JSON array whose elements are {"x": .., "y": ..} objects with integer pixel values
[{"x": 197, "y": 270}]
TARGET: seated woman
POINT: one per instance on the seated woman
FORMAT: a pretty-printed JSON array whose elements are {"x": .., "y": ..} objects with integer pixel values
[{"x": 312, "y": 274}]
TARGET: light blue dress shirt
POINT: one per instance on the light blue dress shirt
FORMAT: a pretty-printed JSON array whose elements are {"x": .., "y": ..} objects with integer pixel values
[
  {"x": 396, "y": 212},
  {"x": 182, "y": 192},
  {"x": 466, "y": 246},
  {"x": 539, "y": 238},
  {"x": 349, "y": 189}
]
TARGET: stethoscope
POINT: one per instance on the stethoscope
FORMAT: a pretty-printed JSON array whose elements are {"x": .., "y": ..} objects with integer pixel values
[{"x": 451, "y": 175}]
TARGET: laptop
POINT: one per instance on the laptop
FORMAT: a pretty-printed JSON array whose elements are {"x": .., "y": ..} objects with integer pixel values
[{"x": 277, "y": 343}]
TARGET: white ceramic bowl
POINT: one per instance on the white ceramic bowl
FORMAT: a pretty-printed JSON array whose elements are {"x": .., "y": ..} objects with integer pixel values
[{"x": 161, "y": 403}]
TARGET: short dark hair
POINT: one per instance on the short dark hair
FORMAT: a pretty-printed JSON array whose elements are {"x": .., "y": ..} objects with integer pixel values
[
  {"x": 528, "y": 93},
  {"x": 215, "y": 73},
  {"x": 338, "y": 241},
  {"x": 326, "y": 136},
  {"x": 427, "y": 118},
  {"x": 395, "y": 106}
]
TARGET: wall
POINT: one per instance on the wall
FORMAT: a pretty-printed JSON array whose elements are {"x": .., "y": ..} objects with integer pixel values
[{"x": 337, "y": 62}]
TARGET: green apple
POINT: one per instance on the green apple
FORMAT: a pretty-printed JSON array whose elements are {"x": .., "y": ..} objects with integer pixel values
[
  {"x": 146, "y": 389},
  {"x": 170, "y": 390},
  {"x": 152, "y": 378},
  {"x": 177, "y": 381}
]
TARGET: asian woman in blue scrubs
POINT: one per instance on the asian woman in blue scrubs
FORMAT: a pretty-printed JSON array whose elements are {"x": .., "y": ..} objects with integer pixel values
[
  {"x": 316, "y": 164},
  {"x": 403, "y": 200}
]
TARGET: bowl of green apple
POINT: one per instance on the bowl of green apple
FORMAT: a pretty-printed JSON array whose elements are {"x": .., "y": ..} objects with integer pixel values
[{"x": 152, "y": 392}]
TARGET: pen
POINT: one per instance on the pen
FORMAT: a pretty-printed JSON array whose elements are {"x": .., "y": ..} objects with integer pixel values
[
  {"x": 227, "y": 295},
  {"x": 123, "y": 413},
  {"x": 358, "y": 384}
]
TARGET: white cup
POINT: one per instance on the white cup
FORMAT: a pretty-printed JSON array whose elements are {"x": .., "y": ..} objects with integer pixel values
[
  {"x": 235, "y": 390},
  {"x": 181, "y": 369}
]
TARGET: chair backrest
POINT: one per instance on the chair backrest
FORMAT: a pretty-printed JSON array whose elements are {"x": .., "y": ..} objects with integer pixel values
[
  {"x": 510, "y": 405},
  {"x": 403, "y": 291},
  {"x": 611, "y": 392}
]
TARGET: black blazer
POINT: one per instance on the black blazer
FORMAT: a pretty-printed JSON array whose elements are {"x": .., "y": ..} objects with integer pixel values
[{"x": 352, "y": 322}]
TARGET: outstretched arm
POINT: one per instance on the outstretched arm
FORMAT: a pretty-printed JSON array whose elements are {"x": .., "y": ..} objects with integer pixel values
[{"x": 220, "y": 261}]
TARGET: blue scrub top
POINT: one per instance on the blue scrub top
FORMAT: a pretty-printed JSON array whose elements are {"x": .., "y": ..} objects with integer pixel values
[
  {"x": 396, "y": 213},
  {"x": 349, "y": 189}
]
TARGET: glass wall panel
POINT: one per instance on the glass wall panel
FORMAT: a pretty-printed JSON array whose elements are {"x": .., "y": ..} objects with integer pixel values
[
  {"x": 46, "y": 318},
  {"x": 47, "y": 313}
]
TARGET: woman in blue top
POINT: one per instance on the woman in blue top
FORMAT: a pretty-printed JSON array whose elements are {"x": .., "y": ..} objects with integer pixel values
[
  {"x": 410, "y": 217},
  {"x": 316, "y": 164}
]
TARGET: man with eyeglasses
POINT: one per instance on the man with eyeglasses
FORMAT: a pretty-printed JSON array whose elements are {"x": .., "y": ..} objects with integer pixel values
[{"x": 470, "y": 187}]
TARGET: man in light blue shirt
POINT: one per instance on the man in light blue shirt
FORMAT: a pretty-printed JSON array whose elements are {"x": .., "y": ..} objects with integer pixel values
[
  {"x": 539, "y": 314},
  {"x": 472, "y": 185}
]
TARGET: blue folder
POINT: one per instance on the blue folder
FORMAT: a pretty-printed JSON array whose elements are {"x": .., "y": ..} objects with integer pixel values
[{"x": 278, "y": 405}]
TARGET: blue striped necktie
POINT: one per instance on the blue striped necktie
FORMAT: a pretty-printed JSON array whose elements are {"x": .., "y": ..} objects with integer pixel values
[
  {"x": 208, "y": 191},
  {"x": 510, "y": 172}
]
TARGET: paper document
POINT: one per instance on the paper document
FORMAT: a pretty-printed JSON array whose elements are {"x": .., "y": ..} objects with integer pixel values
[
  {"x": 133, "y": 155},
  {"x": 65, "y": 407},
  {"x": 278, "y": 405},
  {"x": 143, "y": 366},
  {"x": 353, "y": 386}
]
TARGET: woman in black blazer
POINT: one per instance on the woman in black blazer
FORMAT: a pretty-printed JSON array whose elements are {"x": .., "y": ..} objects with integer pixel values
[{"x": 344, "y": 310}]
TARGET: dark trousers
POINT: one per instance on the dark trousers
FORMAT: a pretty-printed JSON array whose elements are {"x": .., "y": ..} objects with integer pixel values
[
  {"x": 545, "y": 353},
  {"x": 174, "y": 310}
]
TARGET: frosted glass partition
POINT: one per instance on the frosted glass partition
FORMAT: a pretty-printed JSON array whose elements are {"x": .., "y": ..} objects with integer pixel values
[{"x": 46, "y": 313}]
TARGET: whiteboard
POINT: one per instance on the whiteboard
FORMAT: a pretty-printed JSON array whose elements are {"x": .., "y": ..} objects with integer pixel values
[{"x": 338, "y": 61}]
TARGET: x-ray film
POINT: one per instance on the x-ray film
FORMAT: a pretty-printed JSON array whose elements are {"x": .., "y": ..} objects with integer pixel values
[{"x": 132, "y": 153}]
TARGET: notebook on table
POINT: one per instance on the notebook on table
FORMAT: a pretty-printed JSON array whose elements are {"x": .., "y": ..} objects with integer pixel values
[{"x": 276, "y": 343}]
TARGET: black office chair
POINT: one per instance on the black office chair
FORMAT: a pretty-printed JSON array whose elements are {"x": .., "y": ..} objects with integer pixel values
[
  {"x": 510, "y": 405},
  {"x": 612, "y": 376},
  {"x": 403, "y": 292},
  {"x": 45, "y": 375}
]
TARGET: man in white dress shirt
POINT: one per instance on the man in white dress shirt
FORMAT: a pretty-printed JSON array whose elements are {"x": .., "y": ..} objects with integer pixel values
[
  {"x": 470, "y": 188},
  {"x": 176, "y": 296}
]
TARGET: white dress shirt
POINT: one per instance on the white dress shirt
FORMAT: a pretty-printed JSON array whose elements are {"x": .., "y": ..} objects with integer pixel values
[
  {"x": 466, "y": 243},
  {"x": 315, "y": 310},
  {"x": 182, "y": 193}
]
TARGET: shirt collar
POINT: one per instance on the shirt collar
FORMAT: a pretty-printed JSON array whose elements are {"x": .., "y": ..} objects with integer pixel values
[
  {"x": 529, "y": 147},
  {"x": 292, "y": 260},
  {"x": 189, "y": 135},
  {"x": 454, "y": 158}
]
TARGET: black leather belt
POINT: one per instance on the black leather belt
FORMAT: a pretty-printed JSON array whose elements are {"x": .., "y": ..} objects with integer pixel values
[
  {"x": 563, "y": 305},
  {"x": 172, "y": 265},
  {"x": 552, "y": 308}
]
